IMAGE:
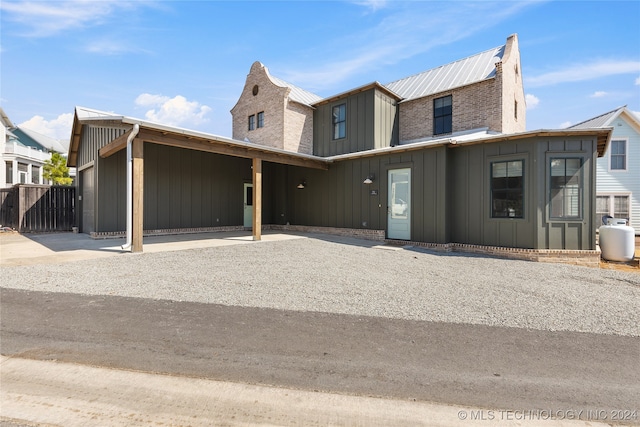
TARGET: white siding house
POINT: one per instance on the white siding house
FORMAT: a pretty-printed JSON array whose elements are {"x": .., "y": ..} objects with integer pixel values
[
  {"x": 618, "y": 171},
  {"x": 23, "y": 153}
]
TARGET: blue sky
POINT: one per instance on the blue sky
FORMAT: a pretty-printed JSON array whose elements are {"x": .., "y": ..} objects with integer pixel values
[{"x": 184, "y": 63}]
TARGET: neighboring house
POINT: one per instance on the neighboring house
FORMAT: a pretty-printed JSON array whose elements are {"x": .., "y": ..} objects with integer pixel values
[
  {"x": 23, "y": 152},
  {"x": 618, "y": 171},
  {"x": 440, "y": 158}
]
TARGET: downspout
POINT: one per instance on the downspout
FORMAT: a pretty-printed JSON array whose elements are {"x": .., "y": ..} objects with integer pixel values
[{"x": 132, "y": 135}]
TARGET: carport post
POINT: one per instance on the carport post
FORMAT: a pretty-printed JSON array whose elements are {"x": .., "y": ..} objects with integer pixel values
[
  {"x": 257, "y": 199},
  {"x": 138, "y": 194}
]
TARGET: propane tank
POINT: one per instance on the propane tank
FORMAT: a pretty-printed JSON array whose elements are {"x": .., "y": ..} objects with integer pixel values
[{"x": 617, "y": 240}]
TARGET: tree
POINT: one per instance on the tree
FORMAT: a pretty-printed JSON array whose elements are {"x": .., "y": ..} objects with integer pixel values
[{"x": 55, "y": 169}]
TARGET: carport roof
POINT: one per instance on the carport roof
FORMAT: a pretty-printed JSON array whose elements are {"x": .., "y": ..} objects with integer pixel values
[{"x": 179, "y": 137}]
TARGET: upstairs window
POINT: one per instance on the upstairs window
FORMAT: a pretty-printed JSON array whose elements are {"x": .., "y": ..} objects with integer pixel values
[
  {"x": 9, "y": 172},
  {"x": 442, "y": 115},
  {"x": 252, "y": 122},
  {"x": 261, "y": 119},
  {"x": 507, "y": 189},
  {"x": 565, "y": 198},
  {"x": 618, "y": 155},
  {"x": 339, "y": 121}
]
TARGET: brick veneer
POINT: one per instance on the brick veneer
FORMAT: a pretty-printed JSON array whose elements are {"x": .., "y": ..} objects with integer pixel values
[{"x": 287, "y": 125}]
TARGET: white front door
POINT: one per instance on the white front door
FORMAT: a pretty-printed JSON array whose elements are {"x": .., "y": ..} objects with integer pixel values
[
  {"x": 399, "y": 204},
  {"x": 248, "y": 205}
]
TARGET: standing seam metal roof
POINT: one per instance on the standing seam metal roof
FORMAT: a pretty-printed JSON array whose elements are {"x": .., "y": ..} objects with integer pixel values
[
  {"x": 446, "y": 77},
  {"x": 297, "y": 94},
  {"x": 599, "y": 121}
]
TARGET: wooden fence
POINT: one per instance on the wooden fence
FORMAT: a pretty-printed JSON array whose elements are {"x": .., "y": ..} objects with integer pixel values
[{"x": 38, "y": 208}]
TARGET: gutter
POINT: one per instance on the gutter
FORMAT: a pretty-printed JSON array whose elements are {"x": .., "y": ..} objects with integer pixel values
[{"x": 132, "y": 135}]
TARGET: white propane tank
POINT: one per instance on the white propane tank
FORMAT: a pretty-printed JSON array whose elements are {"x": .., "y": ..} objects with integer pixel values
[{"x": 617, "y": 240}]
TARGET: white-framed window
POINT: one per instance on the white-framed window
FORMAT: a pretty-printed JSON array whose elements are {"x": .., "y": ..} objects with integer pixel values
[
  {"x": 615, "y": 205},
  {"x": 618, "y": 155}
]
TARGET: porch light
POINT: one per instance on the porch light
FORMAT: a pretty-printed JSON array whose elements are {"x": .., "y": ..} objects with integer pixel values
[
  {"x": 302, "y": 185},
  {"x": 369, "y": 179}
]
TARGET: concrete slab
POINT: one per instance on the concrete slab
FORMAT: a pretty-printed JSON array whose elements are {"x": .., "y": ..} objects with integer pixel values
[
  {"x": 52, "y": 394},
  {"x": 55, "y": 248}
]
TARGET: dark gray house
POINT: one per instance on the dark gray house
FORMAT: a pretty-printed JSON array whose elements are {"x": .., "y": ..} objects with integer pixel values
[{"x": 356, "y": 163}]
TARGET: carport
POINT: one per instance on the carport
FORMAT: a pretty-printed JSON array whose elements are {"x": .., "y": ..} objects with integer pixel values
[{"x": 113, "y": 134}]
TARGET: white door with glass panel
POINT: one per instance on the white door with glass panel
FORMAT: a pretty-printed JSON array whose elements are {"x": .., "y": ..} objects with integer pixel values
[
  {"x": 399, "y": 205},
  {"x": 248, "y": 205}
]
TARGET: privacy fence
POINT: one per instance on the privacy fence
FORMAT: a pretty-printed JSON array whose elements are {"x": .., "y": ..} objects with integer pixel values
[{"x": 38, "y": 208}]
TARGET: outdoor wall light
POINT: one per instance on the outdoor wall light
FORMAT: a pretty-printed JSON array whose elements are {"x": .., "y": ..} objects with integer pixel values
[
  {"x": 302, "y": 185},
  {"x": 369, "y": 179}
]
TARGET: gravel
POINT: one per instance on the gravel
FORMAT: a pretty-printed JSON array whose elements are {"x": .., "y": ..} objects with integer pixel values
[{"x": 350, "y": 276}]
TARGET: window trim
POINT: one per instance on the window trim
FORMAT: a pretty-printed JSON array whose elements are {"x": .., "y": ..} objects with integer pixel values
[
  {"x": 626, "y": 155},
  {"x": 450, "y": 115},
  {"x": 335, "y": 122},
  {"x": 611, "y": 196},
  {"x": 550, "y": 156}
]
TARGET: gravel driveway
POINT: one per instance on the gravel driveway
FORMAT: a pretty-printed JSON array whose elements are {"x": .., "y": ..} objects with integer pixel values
[{"x": 350, "y": 276}]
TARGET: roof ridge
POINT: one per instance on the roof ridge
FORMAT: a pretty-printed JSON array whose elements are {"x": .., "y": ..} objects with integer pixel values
[
  {"x": 598, "y": 116},
  {"x": 447, "y": 64}
]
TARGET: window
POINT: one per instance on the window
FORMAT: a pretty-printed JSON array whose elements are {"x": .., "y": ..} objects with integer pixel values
[
  {"x": 565, "y": 188},
  {"x": 23, "y": 171},
  {"x": 613, "y": 205},
  {"x": 442, "y": 115},
  {"x": 252, "y": 122},
  {"x": 515, "y": 110},
  {"x": 35, "y": 175},
  {"x": 507, "y": 189},
  {"x": 618, "y": 154},
  {"x": 9, "y": 172},
  {"x": 340, "y": 121},
  {"x": 261, "y": 119}
]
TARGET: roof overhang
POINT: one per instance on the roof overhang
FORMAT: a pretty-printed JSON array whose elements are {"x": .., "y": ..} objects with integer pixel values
[
  {"x": 184, "y": 138},
  {"x": 603, "y": 136},
  {"x": 374, "y": 85}
]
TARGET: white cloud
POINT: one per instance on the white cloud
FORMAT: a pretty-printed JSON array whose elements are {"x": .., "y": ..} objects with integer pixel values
[
  {"x": 373, "y": 5},
  {"x": 176, "y": 111},
  {"x": 406, "y": 31},
  {"x": 584, "y": 71},
  {"x": 565, "y": 125},
  {"x": 599, "y": 94},
  {"x": 638, "y": 81},
  {"x": 58, "y": 128},
  {"x": 532, "y": 101},
  {"x": 43, "y": 18}
]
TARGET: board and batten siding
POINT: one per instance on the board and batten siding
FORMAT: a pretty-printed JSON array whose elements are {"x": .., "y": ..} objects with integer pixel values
[
  {"x": 182, "y": 189},
  {"x": 623, "y": 182},
  {"x": 371, "y": 122}
]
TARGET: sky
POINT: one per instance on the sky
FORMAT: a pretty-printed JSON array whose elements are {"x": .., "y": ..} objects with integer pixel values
[{"x": 184, "y": 63}]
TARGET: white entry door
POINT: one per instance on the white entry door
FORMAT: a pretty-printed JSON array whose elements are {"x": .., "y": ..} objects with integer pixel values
[
  {"x": 248, "y": 205},
  {"x": 399, "y": 205}
]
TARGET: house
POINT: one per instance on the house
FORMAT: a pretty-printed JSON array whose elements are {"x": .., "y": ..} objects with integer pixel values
[
  {"x": 439, "y": 159},
  {"x": 618, "y": 171},
  {"x": 23, "y": 152}
]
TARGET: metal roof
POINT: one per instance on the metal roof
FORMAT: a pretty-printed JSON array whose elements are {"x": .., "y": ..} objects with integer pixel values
[
  {"x": 463, "y": 72},
  {"x": 602, "y": 120},
  {"x": 297, "y": 94}
]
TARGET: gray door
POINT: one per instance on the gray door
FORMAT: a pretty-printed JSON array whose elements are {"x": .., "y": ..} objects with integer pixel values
[
  {"x": 248, "y": 205},
  {"x": 399, "y": 204},
  {"x": 87, "y": 194}
]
